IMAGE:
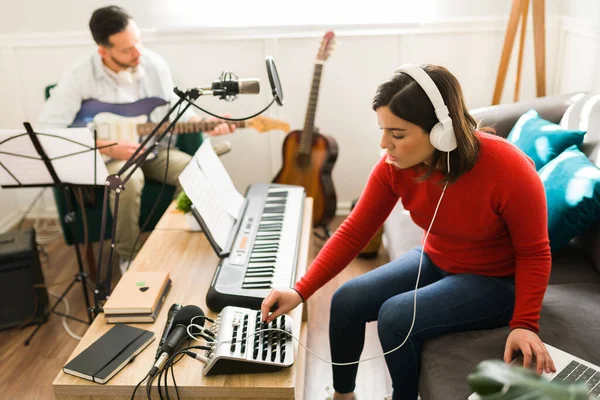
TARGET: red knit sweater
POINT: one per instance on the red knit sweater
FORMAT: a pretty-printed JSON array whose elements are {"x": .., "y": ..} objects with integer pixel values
[{"x": 492, "y": 221}]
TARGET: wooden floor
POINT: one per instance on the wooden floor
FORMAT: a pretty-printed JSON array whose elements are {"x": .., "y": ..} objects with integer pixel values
[{"x": 28, "y": 372}]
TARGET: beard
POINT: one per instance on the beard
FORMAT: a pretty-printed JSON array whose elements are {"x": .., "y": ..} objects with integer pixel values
[{"x": 132, "y": 64}]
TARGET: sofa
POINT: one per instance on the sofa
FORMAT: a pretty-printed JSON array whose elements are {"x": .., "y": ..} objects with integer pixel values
[{"x": 570, "y": 318}]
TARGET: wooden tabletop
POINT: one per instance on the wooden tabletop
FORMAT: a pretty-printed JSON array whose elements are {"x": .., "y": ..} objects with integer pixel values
[{"x": 191, "y": 263}]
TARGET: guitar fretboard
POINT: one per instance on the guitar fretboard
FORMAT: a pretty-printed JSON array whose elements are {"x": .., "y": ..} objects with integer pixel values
[
  {"x": 309, "y": 122},
  {"x": 189, "y": 127}
]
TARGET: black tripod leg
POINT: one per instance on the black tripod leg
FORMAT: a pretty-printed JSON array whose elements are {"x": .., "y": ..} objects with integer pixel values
[
  {"x": 81, "y": 276},
  {"x": 37, "y": 328},
  {"x": 60, "y": 299}
]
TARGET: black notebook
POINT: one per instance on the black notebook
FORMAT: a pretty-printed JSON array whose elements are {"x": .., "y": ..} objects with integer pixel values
[{"x": 109, "y": 354}]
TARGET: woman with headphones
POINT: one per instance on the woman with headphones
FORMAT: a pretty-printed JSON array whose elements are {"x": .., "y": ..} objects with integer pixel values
[{"x": 485, "y": 259}]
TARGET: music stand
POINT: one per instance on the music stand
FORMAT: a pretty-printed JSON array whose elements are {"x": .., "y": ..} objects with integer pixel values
[{"x": 31, "y": 159}]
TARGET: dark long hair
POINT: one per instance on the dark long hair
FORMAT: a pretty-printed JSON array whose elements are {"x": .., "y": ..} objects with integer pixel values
[{"x": 408, "y": 101}]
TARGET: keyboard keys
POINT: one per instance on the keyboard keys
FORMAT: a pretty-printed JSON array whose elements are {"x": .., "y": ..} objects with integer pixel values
[
  {"x": 577, "y": 372},
  {"x": 266, "y": 259}
]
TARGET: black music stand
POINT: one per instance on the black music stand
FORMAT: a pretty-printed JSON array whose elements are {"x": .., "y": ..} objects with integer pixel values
[{"x": 34, "y": 160}]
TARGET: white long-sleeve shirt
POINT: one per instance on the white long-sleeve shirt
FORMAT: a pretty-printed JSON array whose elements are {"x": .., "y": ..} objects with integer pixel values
[{"x": 91, "y": 79}]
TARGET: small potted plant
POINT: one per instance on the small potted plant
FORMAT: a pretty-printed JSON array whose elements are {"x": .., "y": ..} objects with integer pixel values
[
  {"x": 184, "y": 204},
  {"x": 495, "y": 380}
]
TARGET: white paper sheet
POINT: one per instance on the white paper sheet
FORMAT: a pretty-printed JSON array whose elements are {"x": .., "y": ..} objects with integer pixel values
[
  {"x": 197, "y": 187},
  {"x": 76, "y": 169},
  {"x": 219, "y": 179}
]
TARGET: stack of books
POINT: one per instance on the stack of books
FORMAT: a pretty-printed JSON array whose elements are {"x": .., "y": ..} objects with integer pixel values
[{"x": 138, "y": 297}]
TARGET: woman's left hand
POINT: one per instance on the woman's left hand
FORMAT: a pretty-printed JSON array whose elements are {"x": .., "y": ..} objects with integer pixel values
[{"x": 530, "y": 344}]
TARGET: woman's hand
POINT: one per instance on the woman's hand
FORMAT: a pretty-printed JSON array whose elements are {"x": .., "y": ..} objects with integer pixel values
[
  {"x": 530, "y": 344},
  {"x": 286, "y": 300}
]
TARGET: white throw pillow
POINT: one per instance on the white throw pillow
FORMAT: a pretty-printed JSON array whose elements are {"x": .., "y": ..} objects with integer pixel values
[{"x": 584, "y": 114}]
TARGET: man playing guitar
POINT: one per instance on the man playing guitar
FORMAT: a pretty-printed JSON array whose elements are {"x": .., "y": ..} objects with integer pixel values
[{"x": 122, "y": 72}]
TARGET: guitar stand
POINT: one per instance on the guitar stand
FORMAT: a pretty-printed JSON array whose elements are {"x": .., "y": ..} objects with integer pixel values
[{"x": 326, "y": 232}]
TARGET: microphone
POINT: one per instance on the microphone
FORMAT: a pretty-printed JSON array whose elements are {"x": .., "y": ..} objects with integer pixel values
[
  {"x": 181, "y": 321},
  {"x": 168, "y": 325},
  {"x": 228, "y": 86}
]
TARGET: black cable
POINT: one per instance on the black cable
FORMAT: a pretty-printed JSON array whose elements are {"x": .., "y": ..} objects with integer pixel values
[
  {"x": 166, "y": 384},
  {"x": 166, "y": 372},
  {"x": 160, "y": 377},
  {"x": 226, "y": 118},
  {"x": 160, "y": 395},
  {"x": 174, "y": 382},
  {"x": 149, "y": 388},
  {"x": 155, "y": 206},
  {"x": 138, "y": 385},
  {"x": 170, "y": 363},
  {"x": 166, "y": 381}
]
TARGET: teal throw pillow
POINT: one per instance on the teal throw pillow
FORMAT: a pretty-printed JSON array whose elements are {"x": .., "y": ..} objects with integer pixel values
[
  {"x": 572, "y": 186},
  {"x": 542, "y": 140}
]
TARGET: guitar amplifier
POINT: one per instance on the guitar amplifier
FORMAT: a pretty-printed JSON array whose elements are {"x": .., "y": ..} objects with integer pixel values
[
  {"x": 20, "y": 302},
  {"x": 240, "y": 350}
]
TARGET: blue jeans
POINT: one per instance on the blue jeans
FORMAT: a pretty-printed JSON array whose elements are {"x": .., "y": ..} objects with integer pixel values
[{"x": 445, "y": 303}]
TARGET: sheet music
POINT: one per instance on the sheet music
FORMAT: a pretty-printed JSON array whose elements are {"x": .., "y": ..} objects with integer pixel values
[
  {"x": 31, "y": 170},
  {"x": 75, "y": 169},
  {"x": 219, "y": 179},
  {"x": 26, "y": 171},
  {"x": 199, "y": 190}
]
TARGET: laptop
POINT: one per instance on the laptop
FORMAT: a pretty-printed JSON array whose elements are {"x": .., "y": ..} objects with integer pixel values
[{"x": 569, "y": 369}]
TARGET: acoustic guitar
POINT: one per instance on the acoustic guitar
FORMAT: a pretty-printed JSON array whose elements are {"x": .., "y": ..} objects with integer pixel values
[
  {"x": 130, "y": 121},
  {"x": 309, "y": 156}
]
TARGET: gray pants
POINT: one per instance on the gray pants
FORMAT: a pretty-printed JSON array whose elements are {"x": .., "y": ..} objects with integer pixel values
[{"x": 130, "y": 199}]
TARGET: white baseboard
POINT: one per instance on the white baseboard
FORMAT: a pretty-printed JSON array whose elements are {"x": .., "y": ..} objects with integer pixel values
[
  {"x": 343, "y": 208},
  {"x": 10, "y": 220},
  {"x": 48, "y": 212}
]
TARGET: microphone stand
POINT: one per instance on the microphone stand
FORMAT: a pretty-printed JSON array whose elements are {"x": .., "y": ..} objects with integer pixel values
[{"x": 116, "y": 182}]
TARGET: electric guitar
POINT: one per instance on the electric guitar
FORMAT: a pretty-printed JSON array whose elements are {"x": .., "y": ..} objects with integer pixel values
[
  {"x": 130, "y": 121},
  {"x": 309, "y": 156}
]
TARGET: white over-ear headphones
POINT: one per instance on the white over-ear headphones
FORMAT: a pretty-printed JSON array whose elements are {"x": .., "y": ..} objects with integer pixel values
[{"x": 442, "y": 134}]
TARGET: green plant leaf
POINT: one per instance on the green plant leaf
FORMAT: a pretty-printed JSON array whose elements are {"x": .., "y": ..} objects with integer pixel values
[
  {"x": 183, "y": 202},
  {"x": 495, "y": 380}
]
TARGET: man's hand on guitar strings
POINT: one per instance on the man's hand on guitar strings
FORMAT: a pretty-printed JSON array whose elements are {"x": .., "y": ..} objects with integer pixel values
[
  {"x": 221, "y": 129},
  {"x": 123, "y": 150}
]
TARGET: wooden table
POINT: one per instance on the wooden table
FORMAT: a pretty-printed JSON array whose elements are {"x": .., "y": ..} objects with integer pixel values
[{"x": 191, "y": 263}]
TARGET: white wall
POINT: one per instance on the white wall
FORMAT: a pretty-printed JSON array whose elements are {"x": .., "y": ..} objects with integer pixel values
[
  {"x": 465, "y": 36},
  {"x": 579, "y": 57},
  {"x": 26, "y": 16}
]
